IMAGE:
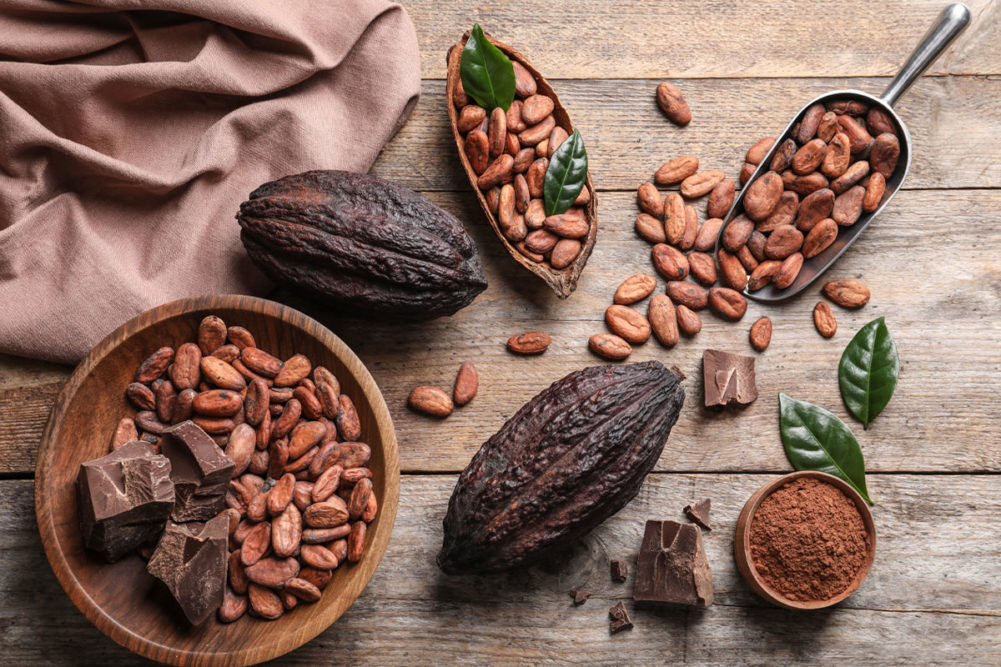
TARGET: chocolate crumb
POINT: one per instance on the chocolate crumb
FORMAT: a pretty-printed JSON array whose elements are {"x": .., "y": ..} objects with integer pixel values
[
  {"x": 579, "y": 596},
  {"x": 619, "y": 570},
  {"x": 619, "y": 619},
  {"x": 698, "y": 513}
]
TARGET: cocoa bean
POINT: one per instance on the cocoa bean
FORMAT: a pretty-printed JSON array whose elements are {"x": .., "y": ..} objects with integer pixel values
[
  {"x": 535, "y": 214},
  {"x": 727, "y": 303},
  {"x": 757, "y": 152},
  {"x": 556, "y": 137},
  {"x": 524, "y": 84},
  {"x": 635, "y": 288},
  {"x": 532, "y": 342},
  {"x": 756, "y": 244},
  {"x": 761, "y": 334},
  {"x": 855, "y": 173},
  {"x": 141, "y": 396},
  {"x": 124, "y": 432},
  {"x": 272, "y": 572},
  {"x": 763, "y": 195},
  {"x": 359, "y": 498},
  {"x": 847, "y": 293},
  {"x": 569, "y": 225},
  {"x": 627, "y": 323},
  {"x": 609, "y": 346},
  {"x": 815, "y": 207},
  {"x": 288, "y": 418},
  {"x": 348, "y": 424},
  {"x": 879, "y": 122},
  {"x": 663, "y": 321},
  {"x": 217, "y": 403},
  {"x": 228, "y": 353},
  {"x": 675, "y": 219},
  {"x": 186, "y": 370},
  {"x": 788, "y": 270},
  {"x": 746, "y": 259},
  {"x": 838, "y": 156},
  {"x": 737, "y": 233},
  {"x": 147, "y": 421},
  {"x": 763, "y": 275},
  {"x": 430, "y": 401},
  {"x": 466, "y": 384},
  {"x": 240, "y": 447},
  {"x": 848, "y": 206},
  {"x": 154, "y": 365},
  {"x": 536, "y": 177},
  {"x": 477, "y": 149},
  {"x": 732, "y": 272},
  {"x": 221, "y": 374},
  {"x": 497, "y": 132},
  {"x": 564, "y": 253},
  {"x": 828, "y": 126},
  {"x": 302, "y": 589},
  {"x": 746, "y": 171},
  {"x": 689, "y": 322},
  {"x": 691, "y": 228},
  {"x": 859, "y": 138},
  {"x": 676, "y": 170},
  {"x": 804, "y": 185},
  {"x": 783, "y": 242},
  {"x": 705, "y": 240},
  {"x": 809, "y": 157},
  {"x": 650, "y": 201},
  {"x": 325, "y": 535},
  {"x": 535, "y": 108},
  {"x": 687, "y": 294},
  {"x": 783, "y": 156},
  {"x": 255, "y": 544},
  {"x": 541, "y": 241},
  {"x": 523, "y": 160},
  {"x": 784, "y": 213},
  {"x": 470, "y": 116},
  {"x": 701, "y": 183},
  {"x": 326, "y": 484},
  {"x": 809, "y": 124},
  {"x": 277, "y": 457},
  {"x": 673, "y": 104},
  {"x": 521, "y": 194},
  {"x": 702, "y": 268},
  {"x": 326, "y": 514},
  {"x": 537, "y": 133},
  {"x": 233, "y": 606},
  {"x": 824, "y": 320},
  {"x": 669, "y": 262},
  {"x": 820, "y": 238},
  {"x": 286, "y": 532},
  {"x": 885, "y": 154},
  {"x": 499, "y": 171},
  {"x": 721, "y": 198},
  {"x": 874, "y": 192}
]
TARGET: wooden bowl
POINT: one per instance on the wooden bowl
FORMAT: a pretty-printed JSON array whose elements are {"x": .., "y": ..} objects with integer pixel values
[
  {"x": 117, "y": 597},
  {"x": 742, "y": 541}
]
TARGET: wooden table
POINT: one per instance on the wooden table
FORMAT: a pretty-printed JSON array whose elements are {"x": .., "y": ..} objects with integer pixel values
[{"x": 934, "y": 594}]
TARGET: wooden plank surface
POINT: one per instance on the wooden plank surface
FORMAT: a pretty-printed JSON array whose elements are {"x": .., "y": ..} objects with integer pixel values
[
  {"x": 921, "y": 604},
  {"x": 594, "y": 39},
  {"x": 953, "y": 123},
  {"x": 930, "y": 260}
]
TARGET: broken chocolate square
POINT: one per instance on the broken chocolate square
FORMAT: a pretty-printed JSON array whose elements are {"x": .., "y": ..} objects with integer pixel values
[
  {"x": 728, "y": 378},
  {"x": 699, "y": 513},
  {"x": 191, "y": 561},
  {"x": 200, "y": 472},
  {"x": 579, "y": 596},
  {"x": 619, "y": 570},
  {"x": 125, "y": 499},
  {"x": 672, "y": 565},
  {"x": 619, "y": 618}
]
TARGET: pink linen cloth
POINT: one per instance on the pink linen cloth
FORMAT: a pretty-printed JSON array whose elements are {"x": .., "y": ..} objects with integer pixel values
[{"x": 130, "y": 131}]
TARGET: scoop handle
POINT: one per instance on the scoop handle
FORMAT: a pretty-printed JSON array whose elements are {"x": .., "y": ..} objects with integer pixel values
[{"x": 950, "y": 23}]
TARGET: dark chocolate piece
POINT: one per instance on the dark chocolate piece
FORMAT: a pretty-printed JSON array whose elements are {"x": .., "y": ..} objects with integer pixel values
[
  {"x": 200, "y": 471},
  {"x": 191, "y": 561},
  {"x": 125, "y": 499},
  {"x": 728, "y": 378},
  {"x": 579, "y": 596},
  {"x": 619, "y": 570},
  {"x": 672, "y": 565},
  {"x": 699, "y": 513},
  {"x": 619, "y": 619}
]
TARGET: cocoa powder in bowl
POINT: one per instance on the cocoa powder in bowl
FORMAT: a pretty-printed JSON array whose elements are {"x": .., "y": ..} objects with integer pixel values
[{"x": 808, "y": 541}]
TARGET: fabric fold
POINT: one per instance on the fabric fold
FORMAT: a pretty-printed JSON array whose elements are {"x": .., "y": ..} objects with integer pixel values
[{"x": 131, "y": 131}]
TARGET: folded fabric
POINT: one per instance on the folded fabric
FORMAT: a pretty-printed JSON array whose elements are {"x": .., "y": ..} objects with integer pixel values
[{"x": 131, "y": 132}]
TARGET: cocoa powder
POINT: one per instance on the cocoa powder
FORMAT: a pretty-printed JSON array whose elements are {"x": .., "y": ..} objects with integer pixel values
[{"x": 808, "y": 541}]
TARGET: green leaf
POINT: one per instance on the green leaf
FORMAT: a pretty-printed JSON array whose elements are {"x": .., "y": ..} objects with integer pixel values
[
  {"x": 814, "y": 439},
  {"x": 487, "y": 74},
  {"x": 868, "y": 371},
  {"x": 566, "y": 175}
]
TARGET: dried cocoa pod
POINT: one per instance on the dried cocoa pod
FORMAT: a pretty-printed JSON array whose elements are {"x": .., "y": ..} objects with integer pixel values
[
  {"x": 362, "y": 243},
  {"x": 592, "y": 436},
  {"x": 663, "y": 321},
  {"x": 672, "y": 102}
]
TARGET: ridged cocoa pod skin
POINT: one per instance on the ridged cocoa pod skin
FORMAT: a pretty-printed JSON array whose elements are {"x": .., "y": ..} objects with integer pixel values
[
  {"x": 594, "y": 435},
  {"x": 362, "y": 243}
]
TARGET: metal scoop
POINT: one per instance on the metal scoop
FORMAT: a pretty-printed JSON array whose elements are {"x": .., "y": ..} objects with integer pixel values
[{"x": 950, "y": 23}]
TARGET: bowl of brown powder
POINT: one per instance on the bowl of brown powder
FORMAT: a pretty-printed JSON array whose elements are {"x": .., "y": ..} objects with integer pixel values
[{"x": 805, "y": 540}]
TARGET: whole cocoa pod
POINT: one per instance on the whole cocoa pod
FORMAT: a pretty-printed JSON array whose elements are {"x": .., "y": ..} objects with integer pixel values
[
  {"x": 363, "y": 243},
  {"x": 566, "y": 461}
]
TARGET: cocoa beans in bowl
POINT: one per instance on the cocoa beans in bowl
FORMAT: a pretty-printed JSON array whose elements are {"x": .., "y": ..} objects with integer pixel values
[
  {"x": 505, "y": 155},
  {"x": 115, "y": 597}
]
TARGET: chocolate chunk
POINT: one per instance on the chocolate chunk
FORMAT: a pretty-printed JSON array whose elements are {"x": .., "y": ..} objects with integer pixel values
[
  {"x": 200, "y": 471},
  {"x": 125, "y": 498},
  {"x": 699, "y": 513},
  {"x": 619, "y": 570},
  {"x": 579, "y": 596},
  {"x": 191, "y": 561},
  {"x": 672, "y": 565},
  {"x": 619, "y": 619},
  {"x": 728, "y": 378}
]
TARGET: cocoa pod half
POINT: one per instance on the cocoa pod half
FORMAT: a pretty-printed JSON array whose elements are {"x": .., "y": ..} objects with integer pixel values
[
  {"x": 362, "y": 243},
  {"x": 591, "y": 437}
]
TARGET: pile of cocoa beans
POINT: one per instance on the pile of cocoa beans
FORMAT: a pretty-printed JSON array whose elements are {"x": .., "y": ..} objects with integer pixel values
[
  {"x": 832, "y": 168},
  {"x": 509, "y": 152},
  {"x": 301, "y": 495}
]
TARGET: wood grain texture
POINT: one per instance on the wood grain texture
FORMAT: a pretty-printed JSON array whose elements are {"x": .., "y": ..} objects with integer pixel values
[
  {"x": 592, "y": 39},
  {"x": 922, "y": 604},
  {"x": 929, "y": 259},
  {"x": 952, "y": 120},
  {"x": 120, "y": 598}
]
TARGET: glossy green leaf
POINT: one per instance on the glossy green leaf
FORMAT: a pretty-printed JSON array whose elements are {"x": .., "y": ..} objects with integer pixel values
[
  {"x": 814, "y": 439},
  {"x": 487, "y": 74},
  {"x": 868, "y": 371},
  {"x": 566, "y": 174}
]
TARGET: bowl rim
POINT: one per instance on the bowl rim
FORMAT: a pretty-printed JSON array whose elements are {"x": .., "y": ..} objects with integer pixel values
[
  {"x": 46, "y": 524},
  {"x": 742, "y": 541}
]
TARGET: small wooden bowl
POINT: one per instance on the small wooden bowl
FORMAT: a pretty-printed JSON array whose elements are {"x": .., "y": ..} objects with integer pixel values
[
  {"x": 117, "y": 597},
  {"x": 742, "y": 541}
]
